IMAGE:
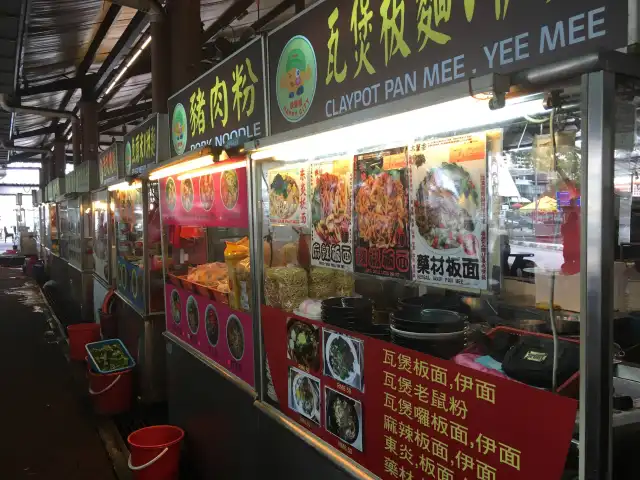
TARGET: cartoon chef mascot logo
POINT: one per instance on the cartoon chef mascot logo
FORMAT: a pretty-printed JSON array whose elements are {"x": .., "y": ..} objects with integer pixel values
[{"x": 296, "y": 77}]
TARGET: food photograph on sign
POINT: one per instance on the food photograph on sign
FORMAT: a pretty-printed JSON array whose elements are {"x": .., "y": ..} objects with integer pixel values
[
  {"x": 288, "y": 196},
  {"x": 303, "y": 346},
  {"x": 344, "y": 358},
  {"x": 448, "y": 199},
  {"x": 343, "y": 418},
  {"x": 331, "y": 213},
  {"x": 229, "y": 188},
  {"x": 212, "y": 325},
  {"x": 381, "y": 210},
  {"x": 304, "y": 395}
]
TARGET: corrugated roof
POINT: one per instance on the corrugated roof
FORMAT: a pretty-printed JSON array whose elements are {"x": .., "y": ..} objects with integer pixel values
[
  {"x": 59, "y": 34},
  {"x": 11, "y": 25}
]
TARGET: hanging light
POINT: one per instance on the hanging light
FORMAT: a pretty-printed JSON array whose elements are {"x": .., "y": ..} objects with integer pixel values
[{"x": 190, "y": 161}]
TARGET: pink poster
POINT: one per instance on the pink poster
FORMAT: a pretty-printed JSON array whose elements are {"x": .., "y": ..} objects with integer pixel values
[
  {"x": 217, "y": 199},
  {"x": 218, "y": 332}
]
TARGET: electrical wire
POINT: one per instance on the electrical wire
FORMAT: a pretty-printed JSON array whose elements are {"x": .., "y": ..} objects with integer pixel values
[
  {"x": 537, "y": 121},
  {"x": 554, "y": 329}
]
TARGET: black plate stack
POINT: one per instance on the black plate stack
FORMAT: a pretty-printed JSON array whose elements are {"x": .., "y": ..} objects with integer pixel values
[
  {"x": 347, "y": 312},
  {"x": 426, "y": 324}
]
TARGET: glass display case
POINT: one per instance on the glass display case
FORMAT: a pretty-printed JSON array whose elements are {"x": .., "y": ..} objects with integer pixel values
[
  {"x": 129, "y": 239},
  {"x": 74, "y": 222},
  {"x": 208, "y": 286},
  {"x": 155, "y": 280},
  {"x": 399, "y": 253},
  {"x": 138, "y": 246},
  {"x": 52, "y": 240},
  {"x": 103, "y": 240}
]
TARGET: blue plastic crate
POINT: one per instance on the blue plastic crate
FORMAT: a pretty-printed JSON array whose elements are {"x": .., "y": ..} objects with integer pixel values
[{"x": 94, "y": 366}]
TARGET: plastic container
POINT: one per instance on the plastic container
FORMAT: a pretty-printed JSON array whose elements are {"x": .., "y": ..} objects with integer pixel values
[
  {"x": 90, "y": 347},
  {"x": 155, "y": 452},
  {"x": 79, "y": 336},
  {"x": 110, "y": 393}
]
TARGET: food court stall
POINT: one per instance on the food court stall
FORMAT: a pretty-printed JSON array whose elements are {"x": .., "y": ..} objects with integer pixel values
[
  {"x": 58, "y": 257},
  {"x": 138, "y": 277},
  {"x": 110, "y": 166},
  {"x": 210, "y": 330},
  {"x": 396, "y": 341},
  {"x": 51, "y": 239},
  {"x": 80, "y": 250}
]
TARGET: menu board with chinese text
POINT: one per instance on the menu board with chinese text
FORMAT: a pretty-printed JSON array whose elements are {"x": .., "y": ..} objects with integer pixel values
[
  {"x": 448, "y": 210},
  {"x": 331, "y": 213},
  {"x": 404, "y": 414}
]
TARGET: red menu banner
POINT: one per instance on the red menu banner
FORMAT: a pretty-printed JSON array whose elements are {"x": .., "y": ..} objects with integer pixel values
[
  {"x": 406, "y": 415},
  {"x": 217, "y": 199},
  {"x": 215, "y": 330}
]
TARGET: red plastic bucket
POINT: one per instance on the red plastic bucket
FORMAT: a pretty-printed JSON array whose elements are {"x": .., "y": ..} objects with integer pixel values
[
  {"x": 110, "y": 392},
  {"x": 108, "y": 325},
  {"x": 79, "y": 336},
  {"x": 155, "y": 452}
]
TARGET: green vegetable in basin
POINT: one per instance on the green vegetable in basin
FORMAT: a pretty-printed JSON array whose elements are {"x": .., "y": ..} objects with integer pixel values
[{"x": 110, "y": 357}]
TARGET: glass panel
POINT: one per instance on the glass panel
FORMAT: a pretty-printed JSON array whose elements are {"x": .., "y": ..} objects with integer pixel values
[
  {"x": 75, "y": 228},
  {"x": 208, "y": 287},
  {"x": 626, "y": 322},
  {"x": 448, "y": 235},
  {"x": 63, "y": 218},
  {"x": 102, "y": 218},
  {"x": 129, "y": 236},
  {"x": 156, "y": 282}
]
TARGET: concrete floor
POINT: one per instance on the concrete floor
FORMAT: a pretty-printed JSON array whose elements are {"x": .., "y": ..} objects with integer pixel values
[{"x": 48, "y": 430}]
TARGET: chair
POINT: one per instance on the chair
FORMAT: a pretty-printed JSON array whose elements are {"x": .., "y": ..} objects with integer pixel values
[{"x": 7, "y": 234}]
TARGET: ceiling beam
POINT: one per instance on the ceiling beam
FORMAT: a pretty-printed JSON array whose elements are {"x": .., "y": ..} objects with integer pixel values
[
  {"x": 80, "y": 80},
  {"x": 116, "y": 122},
  {"x": 137, "y": 23},
  {"x": 55, "y": 86},
  {"x": 272, "y": 14},
  {"x": 98, "y": 38},
  {"x": 35, "y": 132},
  {"x": 89, "y": 56},
  {"x": 124, "y": 111},
  {"x": 107, "y": 70},
  {"x": 19, "y": 157},
  {"x": 227, "y": 17}
]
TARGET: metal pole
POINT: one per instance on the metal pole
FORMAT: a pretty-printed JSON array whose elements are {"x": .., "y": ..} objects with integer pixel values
[
  {"x": 254, "y": 188},
  {"x": 160, "y": 64},
  {"x": 90, "y": 135},
  {"x": 59, "y": 158},
  {"x": 186, "y": 42},
  {"x": 76, "y": 132},
  {"x": 597, "y": 257}
]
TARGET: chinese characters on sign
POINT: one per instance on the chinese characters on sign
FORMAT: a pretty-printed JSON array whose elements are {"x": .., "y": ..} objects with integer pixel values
[
  {"x": 417, "y": 417},
  {"x": 108, "y": 164},
  {"x": 381, "y": 214},
  {"x": 140, "y": 149},
  {"x": 427, "y": 423},
  {"x": 331, "y": 198},
  {"x": 223, "y": 107},
  {"x": 365, "y": 53},
  {"x": 448, "y": 211}
]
